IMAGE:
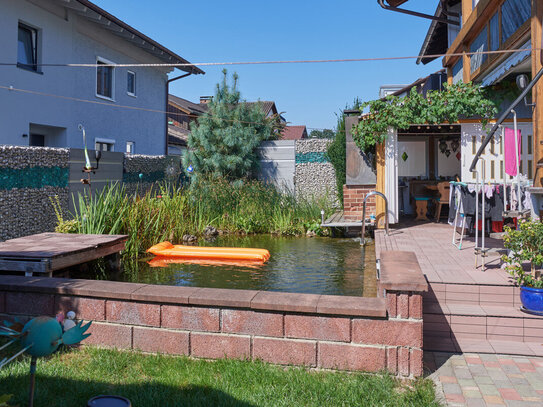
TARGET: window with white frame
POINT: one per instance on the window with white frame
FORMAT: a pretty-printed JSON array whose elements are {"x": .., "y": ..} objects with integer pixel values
[
  {"x": 27, "y": 47},
  {"x": 104, "y": 144},
  {"x": 130, "y": 147},
  {"x": 131, "y": 83},
  {"x": 105, "y": 78}
]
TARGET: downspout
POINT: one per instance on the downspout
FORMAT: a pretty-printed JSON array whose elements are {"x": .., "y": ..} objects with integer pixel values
[{"x": 167, "y": 103}]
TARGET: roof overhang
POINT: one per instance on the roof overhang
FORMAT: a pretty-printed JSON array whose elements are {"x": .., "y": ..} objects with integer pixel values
[
  {"x": 396, "y": 3},
  {"x": 436, "y": 40},
  {"x": 95, "y": 14}
]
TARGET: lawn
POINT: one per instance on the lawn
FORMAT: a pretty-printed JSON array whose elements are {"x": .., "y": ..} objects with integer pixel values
[{"x": 70, "y": 378}]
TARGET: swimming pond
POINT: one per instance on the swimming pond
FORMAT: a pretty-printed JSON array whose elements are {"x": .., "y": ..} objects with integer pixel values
[{"x": 297, "y": 264}]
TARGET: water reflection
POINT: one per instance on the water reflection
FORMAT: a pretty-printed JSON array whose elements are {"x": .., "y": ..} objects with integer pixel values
[{"x": 303, "y": 265}]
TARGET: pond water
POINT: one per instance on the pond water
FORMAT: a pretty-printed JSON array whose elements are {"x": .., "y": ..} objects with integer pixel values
[{"x": 297, "y": 264}]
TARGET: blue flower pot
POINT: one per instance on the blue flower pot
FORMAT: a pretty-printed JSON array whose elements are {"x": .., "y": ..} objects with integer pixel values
[{"x": 532, "y": 299}]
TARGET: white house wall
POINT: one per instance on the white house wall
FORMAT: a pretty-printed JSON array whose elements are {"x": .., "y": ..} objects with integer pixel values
[
  {"x": 473, "y": 130},
  {"x": 73, "y": 39}
]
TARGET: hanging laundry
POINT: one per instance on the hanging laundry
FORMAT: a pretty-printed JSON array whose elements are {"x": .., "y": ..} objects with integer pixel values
[{"x": 509, "y": 151}]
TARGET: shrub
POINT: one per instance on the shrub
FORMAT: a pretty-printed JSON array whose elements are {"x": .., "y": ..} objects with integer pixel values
[{"x": 525, "y": 245}]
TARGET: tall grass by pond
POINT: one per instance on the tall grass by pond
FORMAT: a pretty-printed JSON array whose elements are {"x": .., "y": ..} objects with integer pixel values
[{"x": 169, "y": 213}]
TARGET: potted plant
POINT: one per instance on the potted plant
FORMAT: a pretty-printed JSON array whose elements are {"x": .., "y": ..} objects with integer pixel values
[{"x": 524, "y": 262}]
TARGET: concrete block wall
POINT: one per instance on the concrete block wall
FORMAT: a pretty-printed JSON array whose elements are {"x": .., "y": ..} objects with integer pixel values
[{"x": 323, "y": 331}]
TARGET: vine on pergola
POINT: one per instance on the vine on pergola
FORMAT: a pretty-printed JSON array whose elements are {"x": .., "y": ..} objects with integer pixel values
[{"x": 461, "y": 100}]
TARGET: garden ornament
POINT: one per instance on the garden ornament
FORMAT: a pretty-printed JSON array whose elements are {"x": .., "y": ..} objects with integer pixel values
[
  {"x": 39, "y": 337},
  {"x": 88, "y": 168}
]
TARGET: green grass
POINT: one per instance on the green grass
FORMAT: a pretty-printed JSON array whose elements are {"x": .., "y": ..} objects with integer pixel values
[{"x": 70, "y": 378}]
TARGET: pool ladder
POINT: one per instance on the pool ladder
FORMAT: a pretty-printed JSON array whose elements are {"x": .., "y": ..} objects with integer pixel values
[{"x": 362, "y": 238}]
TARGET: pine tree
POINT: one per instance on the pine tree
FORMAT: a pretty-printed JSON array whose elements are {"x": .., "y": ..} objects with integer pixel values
[{"x": 223, "y": 142}]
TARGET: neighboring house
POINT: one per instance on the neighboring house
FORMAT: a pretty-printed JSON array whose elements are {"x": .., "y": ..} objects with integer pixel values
[
  {"x": 386, "y": 90},
  {"x": 182, "y": 112},
  {"x": 294, "y": 133},
  {"x": 126, "y": 106}
]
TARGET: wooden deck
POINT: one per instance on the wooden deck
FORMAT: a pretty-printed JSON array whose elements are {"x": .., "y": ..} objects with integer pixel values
[
  {"x": 337, "y": 220},
  {"x": 48, "y": 252}
]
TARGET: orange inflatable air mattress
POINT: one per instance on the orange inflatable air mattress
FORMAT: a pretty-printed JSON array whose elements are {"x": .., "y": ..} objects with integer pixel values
[{"x": 166, "y": 249}]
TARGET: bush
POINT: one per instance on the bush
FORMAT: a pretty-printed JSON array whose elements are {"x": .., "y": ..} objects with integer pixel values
[{"x": 526, "y": 245}]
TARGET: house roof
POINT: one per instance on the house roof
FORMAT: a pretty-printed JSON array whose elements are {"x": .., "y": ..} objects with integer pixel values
[
  {"x": 437, "y": 37},
  {"x": 267, "y": 106},
  {"x": 395, "y": 3},
  {"x": 430, "y": 82},
  {"x": 93, "y": 13},
  {"x": 192, "y": 108},
  {"x": 187, "y": 105},
  {"x": 294, "y": 133},
  {"x": 177, "y": 135}
]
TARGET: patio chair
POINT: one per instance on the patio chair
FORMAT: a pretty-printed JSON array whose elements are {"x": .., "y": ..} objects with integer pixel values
[{"x": 442, "y": 198}]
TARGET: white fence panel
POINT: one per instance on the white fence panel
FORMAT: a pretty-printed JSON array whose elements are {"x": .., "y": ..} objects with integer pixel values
[{"x": 277, "y": 163}]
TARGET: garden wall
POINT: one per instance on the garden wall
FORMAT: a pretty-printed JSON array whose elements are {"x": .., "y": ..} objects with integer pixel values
[
  {"x": 29, "y": 176},
  {"x": 353, "y": 201},
  {"x": 332, "y": 332},
  {"x": 314, "y": 175},
  {"x": 299, "y": 166},
  {"x": 153, "y": 169}
]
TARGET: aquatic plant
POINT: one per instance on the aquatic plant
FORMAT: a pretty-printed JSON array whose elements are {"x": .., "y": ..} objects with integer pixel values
[{"x": 245, "y": 207}]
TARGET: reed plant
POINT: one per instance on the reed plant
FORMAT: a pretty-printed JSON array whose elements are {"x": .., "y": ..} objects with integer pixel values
[{"x": 169, "y": 212}]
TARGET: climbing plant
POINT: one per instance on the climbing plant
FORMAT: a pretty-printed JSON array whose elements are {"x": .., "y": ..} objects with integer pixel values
[{"x": 461, "y": 100}]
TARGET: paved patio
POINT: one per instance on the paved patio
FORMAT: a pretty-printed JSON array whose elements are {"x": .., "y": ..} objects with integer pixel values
[
  {"x": 465, "y": 309},
  {"x": 486, "y": 380},
  {"x": 439, "y": 260}
]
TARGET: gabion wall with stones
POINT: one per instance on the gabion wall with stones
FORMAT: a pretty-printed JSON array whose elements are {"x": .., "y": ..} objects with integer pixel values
[
  {"x": 142, "y": 172},
  {"x": 314, "y": 175},
  {"x": 29, "y": 176}
]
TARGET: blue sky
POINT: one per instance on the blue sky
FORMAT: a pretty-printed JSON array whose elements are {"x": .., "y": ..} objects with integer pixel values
[{"x": 309, "y": 94}]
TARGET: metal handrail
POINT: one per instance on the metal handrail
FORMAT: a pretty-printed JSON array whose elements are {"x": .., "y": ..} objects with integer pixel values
[
  {"x": 502, "y": 118},
  {"x": 364, "y": 213}
]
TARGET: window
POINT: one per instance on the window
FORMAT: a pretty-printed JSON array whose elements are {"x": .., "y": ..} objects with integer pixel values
[
  {"x": 480, "y": 44},
  {"x": 458, "y": 71},
  {"x": 104, "y": 144},
  {"x": 514, "y": 14},
  {"x": 104, "y": 79},
  {"x": 494, "y": 32},
  {"x": 27, "y": 48},
  {"x": 130, "y": 147},
  {"x": 131, "y": 83}
]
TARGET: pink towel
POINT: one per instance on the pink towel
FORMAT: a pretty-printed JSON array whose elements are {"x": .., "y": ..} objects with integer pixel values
[{"x": 509, "y": 151}]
